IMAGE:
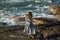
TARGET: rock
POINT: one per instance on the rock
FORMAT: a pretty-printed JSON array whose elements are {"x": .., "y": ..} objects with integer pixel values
[
  {"x": 55, "y": 9},
  {"x": 39, "y": 35}
]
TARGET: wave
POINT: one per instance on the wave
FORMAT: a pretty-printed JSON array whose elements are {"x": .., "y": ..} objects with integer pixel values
[{"x": 10, "y": 8}]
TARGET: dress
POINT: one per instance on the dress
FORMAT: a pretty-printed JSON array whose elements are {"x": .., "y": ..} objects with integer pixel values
[{"x": 29, "y": 27}]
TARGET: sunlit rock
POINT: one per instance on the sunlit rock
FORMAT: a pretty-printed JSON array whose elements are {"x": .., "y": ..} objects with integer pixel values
[{"x": 55, "y": 9}]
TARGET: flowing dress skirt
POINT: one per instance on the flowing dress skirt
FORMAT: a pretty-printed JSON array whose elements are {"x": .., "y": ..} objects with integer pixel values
[{"x": 29, "y": 28}]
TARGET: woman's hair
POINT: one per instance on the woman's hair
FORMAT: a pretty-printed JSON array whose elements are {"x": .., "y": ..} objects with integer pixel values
[{"x": 30, "y": 13}]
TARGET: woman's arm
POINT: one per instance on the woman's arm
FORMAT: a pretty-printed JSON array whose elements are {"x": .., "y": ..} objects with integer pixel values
[
  {"x": 21, "y": 16},
  {"x": 17, "y": 17}
]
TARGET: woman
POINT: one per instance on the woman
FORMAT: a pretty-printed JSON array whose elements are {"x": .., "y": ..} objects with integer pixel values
[{"x": 29, "y": 27}]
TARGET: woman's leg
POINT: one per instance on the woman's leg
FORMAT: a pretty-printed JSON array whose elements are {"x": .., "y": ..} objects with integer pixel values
[{"x": 32, "y": 33}]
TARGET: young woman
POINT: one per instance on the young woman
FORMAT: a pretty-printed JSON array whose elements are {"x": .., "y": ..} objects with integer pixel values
[{"x": 29, "y": 27}]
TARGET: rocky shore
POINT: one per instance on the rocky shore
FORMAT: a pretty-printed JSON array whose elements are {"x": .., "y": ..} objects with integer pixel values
[{"x": 48, "y": 30}]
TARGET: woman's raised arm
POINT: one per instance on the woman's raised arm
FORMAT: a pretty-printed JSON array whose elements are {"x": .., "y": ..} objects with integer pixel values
[{"x": 17, "y": 17}]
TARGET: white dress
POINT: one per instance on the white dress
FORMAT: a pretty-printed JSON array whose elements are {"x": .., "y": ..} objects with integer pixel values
[{"x": 29, "y": 27}]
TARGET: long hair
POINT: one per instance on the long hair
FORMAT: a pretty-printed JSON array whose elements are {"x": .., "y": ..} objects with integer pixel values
[{"x": 30, "y": 13}]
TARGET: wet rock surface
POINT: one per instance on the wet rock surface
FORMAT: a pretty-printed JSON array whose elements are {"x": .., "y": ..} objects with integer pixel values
[{"x": 43, "y": 32}]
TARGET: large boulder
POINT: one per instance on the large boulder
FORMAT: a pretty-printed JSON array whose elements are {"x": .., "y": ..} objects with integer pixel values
[{"x": 55, "y": 9}]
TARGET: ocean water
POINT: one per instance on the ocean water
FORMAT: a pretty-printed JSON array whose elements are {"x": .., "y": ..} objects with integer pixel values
[{"x": 39, "y": 8}]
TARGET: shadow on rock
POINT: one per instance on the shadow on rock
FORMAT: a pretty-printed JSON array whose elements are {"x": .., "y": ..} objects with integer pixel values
[
  {"x": 39, "y": 35},
  {"x": 53, "y": 36}
]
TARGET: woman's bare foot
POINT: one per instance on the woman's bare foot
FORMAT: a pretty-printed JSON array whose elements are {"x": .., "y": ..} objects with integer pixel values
[{"x": 32, "y": 36}]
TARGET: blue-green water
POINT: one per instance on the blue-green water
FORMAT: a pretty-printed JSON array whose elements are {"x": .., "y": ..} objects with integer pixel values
[
  {"x": 39, "y": 8},
  {"x": 20, "y": 7}
]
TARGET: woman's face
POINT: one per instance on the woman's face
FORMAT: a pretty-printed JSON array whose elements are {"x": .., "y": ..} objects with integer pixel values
[{"x": 28, "y": 16}]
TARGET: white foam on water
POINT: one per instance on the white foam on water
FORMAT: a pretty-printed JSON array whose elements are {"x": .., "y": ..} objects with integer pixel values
[
  {"x": 46, "y": 6},
  {"x": 13, "y": 1},
  {"x": 29, "y": 6},
  {"x": 42, "y": 15},
  {"x": 37, "y": 6},
  {"x": 8, "y": 21},
  {"x": 37, "y": 1}
]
